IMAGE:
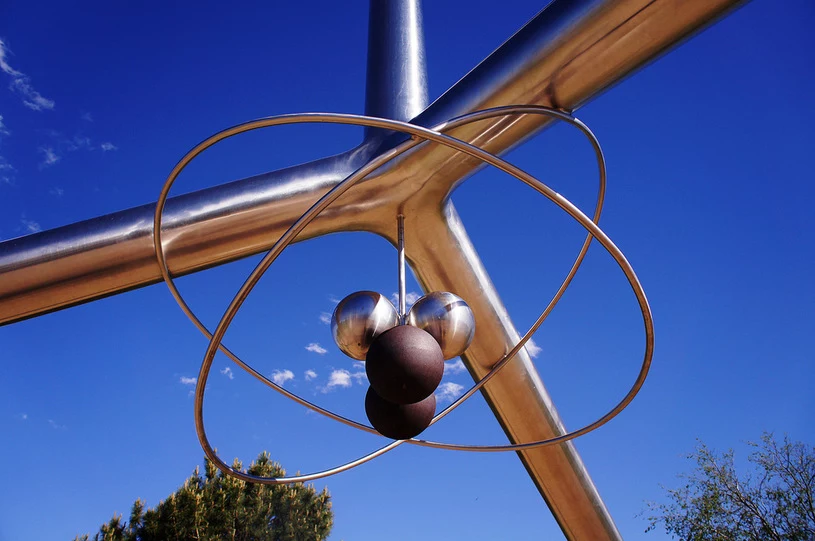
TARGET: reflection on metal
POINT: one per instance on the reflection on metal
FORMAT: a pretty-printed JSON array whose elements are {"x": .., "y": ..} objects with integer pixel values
[
  {"x": 447, "y": 318},
  {"x": 419, "y": 134},
  {"x": 564, "y": 56},
  {"x": 400, "y": 248},
  {"x": 358, "y": 319}
]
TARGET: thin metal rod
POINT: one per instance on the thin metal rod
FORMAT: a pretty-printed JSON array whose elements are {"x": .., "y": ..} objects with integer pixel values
[{"x": 400, "y": 247}]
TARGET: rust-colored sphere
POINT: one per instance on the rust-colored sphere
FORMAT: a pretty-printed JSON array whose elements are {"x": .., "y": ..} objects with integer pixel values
[
  {"x": 404, "y": 364},
  {"x": 399, "y": 421}
]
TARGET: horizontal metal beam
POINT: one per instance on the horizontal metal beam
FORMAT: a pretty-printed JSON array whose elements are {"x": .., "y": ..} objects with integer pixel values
[{"x": 564, "y": 56}]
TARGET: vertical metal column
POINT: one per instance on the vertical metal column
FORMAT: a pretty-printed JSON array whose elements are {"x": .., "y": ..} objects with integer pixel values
[{"x": 396, "y": 84}]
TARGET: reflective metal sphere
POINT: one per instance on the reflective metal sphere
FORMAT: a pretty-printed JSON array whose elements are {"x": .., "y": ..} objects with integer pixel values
[
  {"x": 358, "y": 319},
  {"x": 404, "y": 365},
  {"x": 399, "y": 421},
  {"x": 447, "y": 318}
]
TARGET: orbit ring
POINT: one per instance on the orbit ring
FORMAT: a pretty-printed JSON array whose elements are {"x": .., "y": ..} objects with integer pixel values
[{"x": 419, "y": 136}]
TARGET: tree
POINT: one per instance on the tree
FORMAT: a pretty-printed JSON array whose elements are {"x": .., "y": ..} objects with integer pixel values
[
  {"x": 772, "y": 502},
  {"x": 218, "y": 507}
]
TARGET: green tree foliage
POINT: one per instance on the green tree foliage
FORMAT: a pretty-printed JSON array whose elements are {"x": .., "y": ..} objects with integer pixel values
[
  {"x": 774, "y": 501},
  {"x": 218, "y": 507}
]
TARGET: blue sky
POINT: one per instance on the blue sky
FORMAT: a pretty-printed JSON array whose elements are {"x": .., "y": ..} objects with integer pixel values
[{"x": 710, "y": 191}]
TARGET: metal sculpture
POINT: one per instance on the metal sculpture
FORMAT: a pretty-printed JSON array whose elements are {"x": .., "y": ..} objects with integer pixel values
[
  {"x": 413, "y": 416},
  {"x": 566, "y": 55}
]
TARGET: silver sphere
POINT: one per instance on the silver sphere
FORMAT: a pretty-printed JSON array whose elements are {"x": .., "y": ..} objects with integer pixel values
[
  {"x": 447, "y": 318},
  {"x": 358, "y": 319}
]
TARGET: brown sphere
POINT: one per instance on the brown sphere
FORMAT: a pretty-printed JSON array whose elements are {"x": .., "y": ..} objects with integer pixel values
[
  {"x": 399, "y": 421},
  {"x": 404, "y": 364}
]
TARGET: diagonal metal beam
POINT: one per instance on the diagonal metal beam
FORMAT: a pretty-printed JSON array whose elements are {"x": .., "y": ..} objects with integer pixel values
[{"x": 563, "y": 57}]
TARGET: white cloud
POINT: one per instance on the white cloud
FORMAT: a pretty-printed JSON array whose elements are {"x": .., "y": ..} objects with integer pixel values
[
  {"x": 454, "y": 367},
  {"x": 87, "y": 117},
  {"x": 280, "y": 377},
  {"x": 49, "y": 156},
  {"x": 107, "y": 146},
  {"x": 31, "y": 98},
  {"x": 314, "y": 347},
  {"x": 310, "y": 375},
  {"x": 21, "y": 84},
  {"x": 188, "y": 381},
  {"x": 325, "y": 318},
  {"x": 410, "y": 298},
  {"x": 532, "y": 348},
  {"x": 3, "y": 129},
  {"x": 24, "y": 416},
  {"x": 449, "y": 391},
  {"x": 59, "y": 192},
  {"x": 338, "y": 378},
  {"x": 359, "y": 365},
  {"x": 4, "y": 165},
  {"x": 30, "y": 225},
  {"x": 343, "y": 378},
  {"x": 228, "y": 372}
]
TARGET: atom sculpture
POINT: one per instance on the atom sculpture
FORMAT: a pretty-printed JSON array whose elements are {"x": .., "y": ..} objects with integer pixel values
[{"x": 404, "y": 351}]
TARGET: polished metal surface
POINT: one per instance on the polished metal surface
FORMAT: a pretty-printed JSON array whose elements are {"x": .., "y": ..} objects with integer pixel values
[
  {"x": 564, "y": 56},
  {"x": 418, "y": 133},
  {"x": 400, "y": 248},
  {"x": 447, "y": 318},
  {"x": 396, "y": 78},
  {"x": 358, "y": 319}
]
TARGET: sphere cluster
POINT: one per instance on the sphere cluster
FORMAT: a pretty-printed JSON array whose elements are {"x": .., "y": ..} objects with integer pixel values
[{"x": 404, "y": 363}]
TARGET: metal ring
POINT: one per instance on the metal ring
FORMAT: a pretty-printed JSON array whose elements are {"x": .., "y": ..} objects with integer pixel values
[
  {"x": 451, "y": 124},
  {"x": 337, "y": 191}
]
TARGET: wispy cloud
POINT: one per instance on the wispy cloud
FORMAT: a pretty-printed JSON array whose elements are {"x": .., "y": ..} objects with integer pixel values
[
  {"x": 448, "y": 391},
  {"x": 338, "y": 378},
  {"x": 50, "y": 157},
  {"x": 60, "y": 146},
  {"x": 532, "y": 348},
  {"x": 6, "y": 172},
  {"x": 280, "y": 377},
  {"x": 410, "y": 298},
  {"x": 56, "y": 426},
  {"x": 87, "y": 117},
  {"x": 454, "y": 367},
  {"x": 188, "y": 381},
  {"x": 24, "y": 416},
  {"x": 30, "y": 225},
  {"x": 325, "y": 318},
  {"x": 228, "y": 372},
  {"x": 59, "y": 192},
  {"x": 21, "y": 84},
  {"x": 3, "y": 128},
  {"x": 79, "y": 142},
  {"x": 333, "y": 299},
  {"x": 310, "y": 375},
  {"x": 314, "y": 347},
  {"x": 343, "y": 378}
]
